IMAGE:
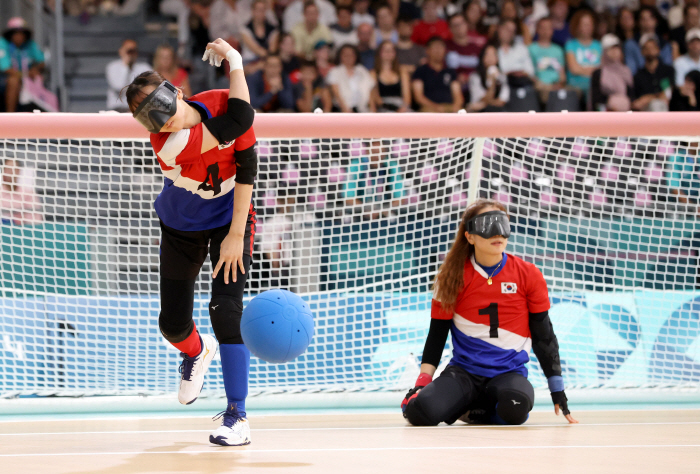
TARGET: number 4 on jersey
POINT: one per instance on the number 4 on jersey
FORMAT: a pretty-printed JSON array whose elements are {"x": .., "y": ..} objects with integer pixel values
[{"x": 213, "y": 171}]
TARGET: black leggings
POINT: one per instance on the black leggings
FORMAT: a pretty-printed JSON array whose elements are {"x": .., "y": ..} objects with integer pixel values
[
  {"x": 182, "y": 255},
  {"x": 455, "y": 391}
]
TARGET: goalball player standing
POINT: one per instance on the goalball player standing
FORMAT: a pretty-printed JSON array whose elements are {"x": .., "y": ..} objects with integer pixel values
[
  {"x": 497, "y": 307},
  {"x": 204, "y": 145}
]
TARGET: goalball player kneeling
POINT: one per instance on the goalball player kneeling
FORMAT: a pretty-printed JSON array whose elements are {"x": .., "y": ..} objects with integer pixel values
[
  {"x": 204, "y": 145},
  {"x": 497, "y": 308}
]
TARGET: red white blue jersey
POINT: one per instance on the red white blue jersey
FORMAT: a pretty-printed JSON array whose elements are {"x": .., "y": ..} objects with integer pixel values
[
  {"x": 491, "y": 323},
  {"x": 197, "y": 192}
]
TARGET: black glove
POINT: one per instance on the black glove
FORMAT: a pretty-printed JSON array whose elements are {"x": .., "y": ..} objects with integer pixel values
[{"x": 559, "y": 398}]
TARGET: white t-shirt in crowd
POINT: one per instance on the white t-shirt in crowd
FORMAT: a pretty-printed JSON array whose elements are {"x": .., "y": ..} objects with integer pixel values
[{"x": 119, "y": 75}]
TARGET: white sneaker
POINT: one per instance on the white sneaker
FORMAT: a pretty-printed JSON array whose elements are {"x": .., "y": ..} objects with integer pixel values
[
  {"x": 192, "y": 370},
  {"x": 234, "y": 430}
]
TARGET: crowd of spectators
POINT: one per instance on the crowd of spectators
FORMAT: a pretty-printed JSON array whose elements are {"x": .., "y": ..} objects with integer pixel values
[{"x": 441, "y": 56}]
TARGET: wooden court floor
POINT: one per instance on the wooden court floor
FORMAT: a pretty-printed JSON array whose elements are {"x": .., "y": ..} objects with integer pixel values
[{"x": 636, "y": 442}]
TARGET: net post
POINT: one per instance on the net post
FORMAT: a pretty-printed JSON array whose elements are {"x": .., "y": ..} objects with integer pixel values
[{"x": 475, "y": 170}]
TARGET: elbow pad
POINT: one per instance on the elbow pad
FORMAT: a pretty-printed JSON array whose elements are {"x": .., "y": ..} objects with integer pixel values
[
  {"x": 545, "y": 344},
  {"x": 246, "y": 165},
  {"x": 235, "y": 122}
]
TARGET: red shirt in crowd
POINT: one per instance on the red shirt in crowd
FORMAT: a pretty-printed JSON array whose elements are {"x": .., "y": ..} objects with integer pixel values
[{"x": 423, "y": 31}]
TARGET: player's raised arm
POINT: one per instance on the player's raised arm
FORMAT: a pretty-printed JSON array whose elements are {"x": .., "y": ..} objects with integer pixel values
[{"x": 239, "y": 115}]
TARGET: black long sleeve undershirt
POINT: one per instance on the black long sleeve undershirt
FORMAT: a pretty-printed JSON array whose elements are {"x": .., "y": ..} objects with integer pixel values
[
  {"x": 545, "y": 344},
  {"x": 435, "y": 342}
]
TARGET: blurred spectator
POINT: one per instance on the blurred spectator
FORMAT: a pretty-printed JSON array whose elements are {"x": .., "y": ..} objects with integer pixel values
[
  {"x": 343, "y": 32},
  {"x": 259, "y": 36},
  {"x": 633, "y": 51},
  {"x": 548, "y": 60},
  {"x": 19, "y": 56},
  {"x": 392, "y": 92},
  {"x": 276, "y": 242},
  {"x": 351, "y": 83},
  {"x": 121, "y": 72},
  {"x": 653, "y": 84},
  {"x": 361, "y": 13},
  {"x": 294, "y": 13},
  {"x": 475, "y": 15},
  {"x": 559, "y": 13},
  {"x": 677, "y": 13},
  {"x": 19, "y": 203},
  {"x": 446, "y": 8},
  {"x": 365, "y": 45},
  {"x": 409, "y": 54},
  {"x": 271, "y": 89},
  {"x": 245, "y": 10},
  {"x": 509, "y": 12},
  {"x": 462, "y": 51},
  {"x": 612, "y": 85},
  {"x": 430, "y": 25},
  {"x": 373, "y": 180},
  {"x": 583, "y": 52},
  {"x": 290, "y": 62},
  {"x": 691, "y": 19},
  {"x": 386, "y": 27},
  {"x": 225, "y": 21},
  {"x": 322, "y": 58},
  {"x": 309, "y": 32},
  {"x": 513, "y": 57},
  {"x": 607, "y": 23},
  {"x": 626, "y": 28},
  {"x": 686, "y": 97},
  {"x": 435, "y": 87},
  {"x": 165, "y": 63},
  {"x": 531, "y": 12},
  {"x": 488, "y": 86},
  {"x": 200, "y": 24},
  {"x": 180, "y": 9},
  {"x": 682, "y": 174},
  {"x": 401, "y": 8},
  {"x": 690, "y": 61},
  {"x": 311, "y": 92}
]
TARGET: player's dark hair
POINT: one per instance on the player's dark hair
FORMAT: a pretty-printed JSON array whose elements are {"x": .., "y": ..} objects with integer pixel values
[
  {"x": 450, "y": 278},
  {"x": 134, "y": 92}
]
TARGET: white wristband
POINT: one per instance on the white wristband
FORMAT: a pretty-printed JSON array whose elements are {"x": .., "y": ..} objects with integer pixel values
[{"x": 235, "y": 61}]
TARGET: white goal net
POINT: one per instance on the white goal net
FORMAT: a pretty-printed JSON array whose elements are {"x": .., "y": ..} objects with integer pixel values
[{"x": 358, "y": 227}]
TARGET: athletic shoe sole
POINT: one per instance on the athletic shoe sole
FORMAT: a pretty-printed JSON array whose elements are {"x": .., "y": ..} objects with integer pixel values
[{"x": 221, "y": 442}]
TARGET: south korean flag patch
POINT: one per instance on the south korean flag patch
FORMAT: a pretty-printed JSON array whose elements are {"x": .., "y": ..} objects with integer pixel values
[{"x": 509, "y": 288}]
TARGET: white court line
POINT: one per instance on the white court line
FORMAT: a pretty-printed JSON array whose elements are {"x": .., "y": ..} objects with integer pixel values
[
  {"x": 64, "y": 433},
  {"x": 218, "y": 450}
]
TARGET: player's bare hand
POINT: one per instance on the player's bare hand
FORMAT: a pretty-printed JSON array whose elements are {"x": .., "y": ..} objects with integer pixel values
[
  {"x": 231, "y": 257},
  {"x": 568, "y": 417}
]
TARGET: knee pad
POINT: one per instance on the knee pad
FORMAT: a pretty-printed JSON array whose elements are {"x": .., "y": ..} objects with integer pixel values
[
  {"x": 513, "y": 407},
  {"x": 225, "y": 314},
  {"x": 174, "y": 332},
  {"x": 416, "y": 415}
]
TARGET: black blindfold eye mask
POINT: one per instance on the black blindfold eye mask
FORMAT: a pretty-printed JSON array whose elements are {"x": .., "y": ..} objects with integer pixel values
[
  {"x": 158, "y": 107},
  {"x": 490, "y": 224}
]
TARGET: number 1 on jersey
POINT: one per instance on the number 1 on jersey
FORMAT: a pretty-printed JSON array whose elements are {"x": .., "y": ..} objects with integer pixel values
[{"x": 492, "y": 311}]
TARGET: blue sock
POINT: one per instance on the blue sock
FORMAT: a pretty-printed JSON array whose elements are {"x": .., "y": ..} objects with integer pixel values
[{"x": 235, "y": 365}]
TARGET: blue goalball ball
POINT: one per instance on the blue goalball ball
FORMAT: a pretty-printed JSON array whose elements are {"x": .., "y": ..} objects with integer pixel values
[{"x": 277, "y": 326}]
